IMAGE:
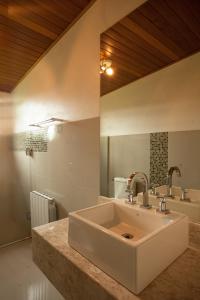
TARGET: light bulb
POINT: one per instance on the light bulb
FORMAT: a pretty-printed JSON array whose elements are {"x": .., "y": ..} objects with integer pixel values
[{"x": 109, "y": 71}]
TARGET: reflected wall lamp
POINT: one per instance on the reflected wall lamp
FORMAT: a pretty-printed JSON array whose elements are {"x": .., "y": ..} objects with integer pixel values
[{"x": 106, "y": 67}]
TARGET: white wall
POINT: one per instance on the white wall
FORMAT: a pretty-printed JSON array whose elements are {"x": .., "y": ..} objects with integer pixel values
[
  {"x": 167, "y": 100},
  {"x": 65, "y": 84}
]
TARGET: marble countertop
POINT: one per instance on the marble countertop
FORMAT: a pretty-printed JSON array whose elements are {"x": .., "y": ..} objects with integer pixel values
[{"x": 78, "y": 279}]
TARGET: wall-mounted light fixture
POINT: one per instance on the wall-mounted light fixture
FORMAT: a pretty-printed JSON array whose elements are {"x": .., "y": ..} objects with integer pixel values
[
  {"x": 106, "y": 67},
  {"x": 48, "y": 122}
]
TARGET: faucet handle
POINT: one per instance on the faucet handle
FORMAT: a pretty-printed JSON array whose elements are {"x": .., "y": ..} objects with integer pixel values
[
  {"x": 163, "y": 205},
  {"x": 153, "y": 189},
  {"x": 131, "y": 199},
  {"x": 184, "y": 195}
]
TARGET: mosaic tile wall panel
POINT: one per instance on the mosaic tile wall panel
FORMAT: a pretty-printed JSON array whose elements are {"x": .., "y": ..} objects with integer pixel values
[
  {"x": 158, "y": 157},
  {"x": 36, "y": 140}
]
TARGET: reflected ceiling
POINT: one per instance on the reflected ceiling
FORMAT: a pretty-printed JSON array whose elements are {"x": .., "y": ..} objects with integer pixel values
[
  {"x": 157, "y": 34},
  {"x": 27, "y": 29}
]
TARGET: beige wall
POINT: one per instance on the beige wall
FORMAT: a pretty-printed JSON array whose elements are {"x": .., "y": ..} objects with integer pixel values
[
  {"x": 6, "y": 114},
  {"x": 167, "y": 100},
  {"x": 127, "y": 154},
  {"x": 69, "y": 170},
  {"x": 13, "y": 223},
  {"x": 65, "y": 84},
  {"x": 5, "y": 170},
  {"x": 104, "y": 165},
  {"x": 183, "y": 151}
]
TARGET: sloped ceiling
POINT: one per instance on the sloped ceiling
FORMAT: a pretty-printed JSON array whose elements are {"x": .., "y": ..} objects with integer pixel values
[
  {"x": 27, "y": 29},
  {"x": 155, "y": 35}
]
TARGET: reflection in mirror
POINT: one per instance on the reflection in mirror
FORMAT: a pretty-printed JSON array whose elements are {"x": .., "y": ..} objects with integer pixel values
[
  {"x": 149, "y": 106},
  {"x": 154, "y": 154},
  {"x": 153, "y": 36}
]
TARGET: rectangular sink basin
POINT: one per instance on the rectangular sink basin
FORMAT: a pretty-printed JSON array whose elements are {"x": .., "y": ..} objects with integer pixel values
[{"x": 131, "y": 244}]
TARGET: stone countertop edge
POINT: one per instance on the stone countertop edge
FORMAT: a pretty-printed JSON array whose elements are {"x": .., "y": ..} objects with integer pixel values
[{"x": 74, "y": 276}]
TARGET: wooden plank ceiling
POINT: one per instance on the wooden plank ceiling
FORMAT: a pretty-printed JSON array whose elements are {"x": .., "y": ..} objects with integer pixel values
[
  {"x": 27, "y": 29},
  {"x": 156, "y": 34}
]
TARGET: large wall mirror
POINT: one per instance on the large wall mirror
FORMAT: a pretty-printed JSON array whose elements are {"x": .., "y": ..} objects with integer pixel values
[{"x": 150, "y": 66}]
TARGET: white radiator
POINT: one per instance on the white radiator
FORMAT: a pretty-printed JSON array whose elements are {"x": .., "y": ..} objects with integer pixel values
[{"x": 43, "y": 209}]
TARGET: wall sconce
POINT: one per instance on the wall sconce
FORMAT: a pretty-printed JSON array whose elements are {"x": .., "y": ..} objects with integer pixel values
[
  {"x": 48, "y": 122},
  {"x": 106, "y": 67}
]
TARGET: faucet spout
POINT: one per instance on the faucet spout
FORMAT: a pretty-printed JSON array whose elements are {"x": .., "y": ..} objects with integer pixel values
[
  {"x": 142, "y": 176},
  {"x": 169, "y": 179},
  {"x": 176, "y": 169}
]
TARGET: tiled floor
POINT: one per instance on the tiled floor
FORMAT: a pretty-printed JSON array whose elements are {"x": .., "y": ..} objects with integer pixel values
[
  {"x": 20, "y": 278},
  {"x": 14, "y": 230}
]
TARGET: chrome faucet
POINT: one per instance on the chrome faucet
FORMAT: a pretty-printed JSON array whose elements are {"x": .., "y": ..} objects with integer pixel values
[
  {"x": 131, "y": 190},
  {"x": 169, "y": 180},
  {"x": 143, "y": 177}
]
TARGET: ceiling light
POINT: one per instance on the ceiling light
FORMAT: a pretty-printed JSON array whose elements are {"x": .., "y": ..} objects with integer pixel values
[
  {"x": 109, "y": 71},
  {"x": 105, "y": 67}
]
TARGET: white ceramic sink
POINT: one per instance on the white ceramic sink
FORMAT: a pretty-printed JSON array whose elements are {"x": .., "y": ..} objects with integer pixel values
[{"x": 96, "y": 233}]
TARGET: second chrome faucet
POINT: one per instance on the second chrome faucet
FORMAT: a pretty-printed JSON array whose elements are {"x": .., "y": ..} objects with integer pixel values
[
  {"x": 131, "y": 188},
  {"x": 169, "y": 180}
]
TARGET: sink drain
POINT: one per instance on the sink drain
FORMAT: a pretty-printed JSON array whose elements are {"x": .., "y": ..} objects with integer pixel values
[{"x": 128, "y": 236}]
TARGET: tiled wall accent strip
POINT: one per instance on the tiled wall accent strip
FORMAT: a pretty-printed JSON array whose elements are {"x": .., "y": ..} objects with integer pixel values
[
  {"x": 158, "y": 157},
  {"x": 36, "y": 140}
]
